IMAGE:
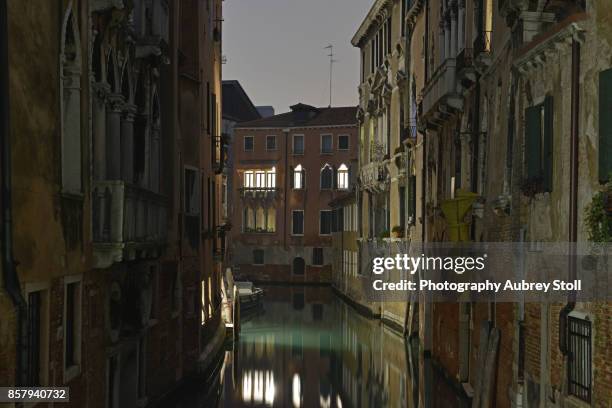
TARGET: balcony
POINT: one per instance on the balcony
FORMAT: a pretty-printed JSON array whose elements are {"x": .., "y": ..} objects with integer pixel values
[
  {"x": 374, "y": 177},
  {"x": 151, "y": 24},
  {"x": 219, "y": 153},
  {"x": 129, "y": 223},
  {"x": 258, "y": 194},
  {"x": 440, "y": 96}
]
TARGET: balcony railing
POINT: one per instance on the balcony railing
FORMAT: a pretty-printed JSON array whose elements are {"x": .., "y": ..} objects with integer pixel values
[
  {"x": 219, "y": 153},
  {"x": 128, "y": 222},
  {"x": 258, "y": 192},
  {"x": 442, "y": 88},
  {"x": 374, "y": 176}
]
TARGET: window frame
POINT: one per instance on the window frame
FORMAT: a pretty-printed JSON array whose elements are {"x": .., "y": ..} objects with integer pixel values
[
  {"x": 263, "y": 257},
  {"x": 293, "y": 151},
  {"x": 331, "y": 148},
  {"x": 344, "y": 173},
  {"x": 244, "y": 143},
  {"x": 316, "y": 250},
  {"x": 293, "y": 223},
  {"x": 268, "y": 138},
  {"x": 331, "y": 169},
  {"x": 321, "y": 223},
  {"x": 348, "y": 142},
  {"x": 302, "y": 177},
  {"x": 73, "y": 370}
]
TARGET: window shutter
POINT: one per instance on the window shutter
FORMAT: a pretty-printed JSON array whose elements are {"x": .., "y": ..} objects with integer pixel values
[
  {"x": 532, "y": 141},
  {"x": 547, "y": 148},
  {"x": 605, "y": 125}
]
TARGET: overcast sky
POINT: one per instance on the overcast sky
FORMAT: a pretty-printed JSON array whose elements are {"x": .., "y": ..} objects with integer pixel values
[{"x": 275, "y": 48}]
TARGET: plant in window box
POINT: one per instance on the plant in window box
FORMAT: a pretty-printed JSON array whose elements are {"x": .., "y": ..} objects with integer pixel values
[
  {"x": 398, "y": 231},
  {"x": 532, "y": 186},
  {"x": 598, "y": 215}
]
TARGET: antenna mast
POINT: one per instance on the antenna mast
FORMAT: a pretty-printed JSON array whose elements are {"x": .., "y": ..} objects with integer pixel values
[{"x": 331, "y": 70}]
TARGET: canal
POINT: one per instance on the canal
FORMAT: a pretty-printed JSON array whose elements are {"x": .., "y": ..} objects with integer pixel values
[{"x": 306, "y": 347}]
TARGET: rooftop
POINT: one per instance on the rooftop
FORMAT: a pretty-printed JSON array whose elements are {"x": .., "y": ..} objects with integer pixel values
[
  {"x": 237, "y": 105},
  {"x": 302, "y": 115}
]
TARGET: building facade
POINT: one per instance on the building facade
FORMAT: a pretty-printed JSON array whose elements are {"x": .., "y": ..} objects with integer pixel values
[
  {"x": 287, "y": 168},
  {"x": 107, "y": 289},
  {"x": 508, "y": 103}
]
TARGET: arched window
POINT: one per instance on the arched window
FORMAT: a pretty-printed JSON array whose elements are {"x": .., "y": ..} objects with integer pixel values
[
  {"x": 110, "y": 72},
  {"x": 271, "y": 178},
  {"x": 298, "y": 266},
  {"x": 343, "y": 177},
  {"x": 298, "y": 177},
  {"x": 71, "y": 104},
  {"x": 327, "y": 177}
]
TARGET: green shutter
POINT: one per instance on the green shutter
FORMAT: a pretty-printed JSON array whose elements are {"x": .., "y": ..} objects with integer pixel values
[
  {"x": 533, "y": 145},
  {"x": 605, "y": 125},
  {"x": 547, "y": 164}
]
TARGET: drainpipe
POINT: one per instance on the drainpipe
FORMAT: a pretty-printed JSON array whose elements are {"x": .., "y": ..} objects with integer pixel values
[
  {"x": 286, "y": 192},
  {"x": 573, "y": 225},
  {"x": 11, "y": 280}
]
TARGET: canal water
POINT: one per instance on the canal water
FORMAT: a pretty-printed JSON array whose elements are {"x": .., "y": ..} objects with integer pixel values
[{"x": 306, "y": 347}]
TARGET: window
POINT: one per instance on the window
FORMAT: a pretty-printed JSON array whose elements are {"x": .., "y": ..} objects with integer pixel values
[
  {"x": 343, "y": 177},
  {"x": 271, "y": 142},
  {"x": 72, "y": 327},
  {"x": 343, "y": 142},
  {"x": 298, "y": 177},
  {"x": 259, "y": 220},
  {"x": 605, "y": 125},
  {"x": 298, "y": 266},
  {"x": 249, "y": 179},
  {"x": 271, "y": 178},
  {"x": 538, "y": 149},
  {"x": 327, "y": 143},
  {"x": 71, "y": 156},
  {"x": 37, "y": 337},
  {"x": 260, "y": 179},
  {"x": 258, "y": 256},
  {"x": 412, "y": 200},
  {"x": 579, "y": 358},
  {"x": 249, "y": 143},
  {"x": 327, "y": 177},
  {"x": 192, "y": 192},
  {"x": 325, "y": 219},
  {"x": 297, "y": 222},
  {"x": 317, "y": 256},
  {"x": 298, "y": 144}
]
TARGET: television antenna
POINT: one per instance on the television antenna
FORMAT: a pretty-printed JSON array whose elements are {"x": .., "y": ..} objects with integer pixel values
[{"x": 331, "y": 70}]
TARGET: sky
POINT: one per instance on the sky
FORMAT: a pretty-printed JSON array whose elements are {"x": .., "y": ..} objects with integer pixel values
[{"x": 275, "y": 48}]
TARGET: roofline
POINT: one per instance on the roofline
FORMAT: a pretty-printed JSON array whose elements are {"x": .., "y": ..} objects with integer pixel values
[
  {"x": 237, "y": 83},
  {"x": 369, "y": 20},
  {"x": 295, "y": 127}
]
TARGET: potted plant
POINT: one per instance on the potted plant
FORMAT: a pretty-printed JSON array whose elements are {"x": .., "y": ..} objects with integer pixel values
[
  {"x": 398, "y": 232},
  {"x": 598, "y": 215}
]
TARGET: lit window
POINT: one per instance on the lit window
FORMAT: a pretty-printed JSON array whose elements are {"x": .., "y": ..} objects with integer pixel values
[
  {"x": 343, "y": 177},
  {"x": 271, "y": 178},
  {"x": 260, "y": 179},
  {"x": 249, "y": 179},
  {"x": 298, "y": 177}
]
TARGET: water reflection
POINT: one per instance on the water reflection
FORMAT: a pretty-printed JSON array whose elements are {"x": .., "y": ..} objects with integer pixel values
[{"x": 307, "y": 348}]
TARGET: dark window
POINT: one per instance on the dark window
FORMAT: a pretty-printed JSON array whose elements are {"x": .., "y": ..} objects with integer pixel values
[
  {"x": 402, "y": 207},
  {"x": 72, "y": 310},
  {"x": 258, "y": 256},
  {"x": 297, "y": 222},
  {"x": 296, "y": 344},
  {"x": 317, "y": 256},
  {"x": 579, "y": 358},
  {"x": 538, "y": 149},
  {"x": 317, "y": 312},
  {"x": 298, "y": 300},
  {"x": 327, "y": 143},
  {"x": 343, "y": 142},
  {"x": 412, "y": 199},
  {"x": 298, "y": 144},
  {"x": 605, "y": 125},
  {"x": 191, "y": 193},
  {"x": 249, "y": 143},
  {"x": 298, "y": 267},
  {"x": 325, "y": 219},
  {"x": 270, "y": 142},
  {"x": 327, "y": 178},
  {"x": 34, "y": 334}
]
